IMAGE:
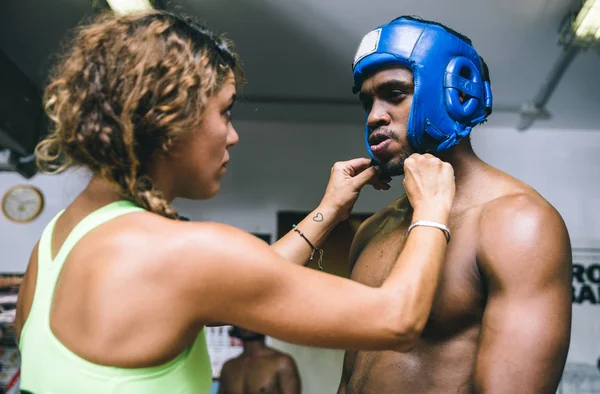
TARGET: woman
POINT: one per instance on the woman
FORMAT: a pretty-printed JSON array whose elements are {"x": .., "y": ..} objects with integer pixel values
[{"x": 117, "y": 293}]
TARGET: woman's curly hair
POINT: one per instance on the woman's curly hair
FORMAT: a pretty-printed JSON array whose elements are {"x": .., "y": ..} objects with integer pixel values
[{"x": 125, "y": 89}]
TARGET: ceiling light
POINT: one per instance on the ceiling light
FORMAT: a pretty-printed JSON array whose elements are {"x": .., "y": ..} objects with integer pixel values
[
  {"x": 582, "y": 28},
  {"x": 126, "y": 6},
  {"x": 587, "y": 23}
]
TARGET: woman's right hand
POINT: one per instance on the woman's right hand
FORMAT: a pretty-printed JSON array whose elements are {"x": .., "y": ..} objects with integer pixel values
[{"x": 429, "y": 185}]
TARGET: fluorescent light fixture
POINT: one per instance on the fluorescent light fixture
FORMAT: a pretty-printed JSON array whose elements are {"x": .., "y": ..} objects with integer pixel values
[
  {"x": 587, "y": 23},
  {"x": 126, "y": 6}
]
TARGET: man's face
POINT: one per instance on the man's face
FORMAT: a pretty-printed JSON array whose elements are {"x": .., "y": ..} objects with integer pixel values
[
  {"x": 387, "y": 97},
  {"x": 247, "y": 335}
]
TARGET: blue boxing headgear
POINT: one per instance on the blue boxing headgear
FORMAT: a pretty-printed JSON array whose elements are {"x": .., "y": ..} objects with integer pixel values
[{"x": 443, "y": 63}]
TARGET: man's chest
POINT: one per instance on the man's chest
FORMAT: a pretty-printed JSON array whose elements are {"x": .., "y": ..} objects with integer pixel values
[
  {"x": 253, "y": 376},
  {"x": 460, "y": 297}
]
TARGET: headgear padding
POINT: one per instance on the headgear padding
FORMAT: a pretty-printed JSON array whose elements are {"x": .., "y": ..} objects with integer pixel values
[{"x": 443, "y": 64}]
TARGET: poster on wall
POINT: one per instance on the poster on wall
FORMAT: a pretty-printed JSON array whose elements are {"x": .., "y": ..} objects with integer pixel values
[
  {"x": 582, "y": 371},
  {"x": 221, "y": 347},
  {"x": 9, "y": 354}
]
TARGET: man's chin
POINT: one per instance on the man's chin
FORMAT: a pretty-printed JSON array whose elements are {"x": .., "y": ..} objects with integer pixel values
[{"x": 392, "y": 168}]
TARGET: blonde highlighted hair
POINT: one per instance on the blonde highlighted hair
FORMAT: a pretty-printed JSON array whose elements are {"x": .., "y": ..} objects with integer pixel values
[{"x": 125, "y": 89}]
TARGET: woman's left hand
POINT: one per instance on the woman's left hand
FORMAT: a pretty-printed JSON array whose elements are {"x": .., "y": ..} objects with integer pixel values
[{"x": 345, "y": 183}]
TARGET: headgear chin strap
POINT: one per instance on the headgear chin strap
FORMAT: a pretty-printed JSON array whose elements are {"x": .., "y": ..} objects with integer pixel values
[{"x": 443, "y": 65}]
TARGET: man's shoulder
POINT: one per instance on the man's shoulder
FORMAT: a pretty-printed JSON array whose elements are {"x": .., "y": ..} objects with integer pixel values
[
  {"x": 520, "y": 228},
  {"x": 510, "y": 191},
  {"x": 398, "y": 209},
  {"x": 517, "y": 206},
  {"x": 231, "y": 363},
  {"x": 279, "y": 354},
  {"x": 285, "y": 362},
  {"x": 392, "y": 215}
]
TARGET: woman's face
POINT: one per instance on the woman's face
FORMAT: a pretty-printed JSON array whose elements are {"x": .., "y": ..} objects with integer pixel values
[{"x": 201, "y": 157}]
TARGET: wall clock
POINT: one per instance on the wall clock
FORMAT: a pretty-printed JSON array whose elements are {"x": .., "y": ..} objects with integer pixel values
[{"x": 22, "y": 203}]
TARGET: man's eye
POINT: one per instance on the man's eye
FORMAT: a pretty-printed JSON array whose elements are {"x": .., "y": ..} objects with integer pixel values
[{"x": 397, "y": 95}]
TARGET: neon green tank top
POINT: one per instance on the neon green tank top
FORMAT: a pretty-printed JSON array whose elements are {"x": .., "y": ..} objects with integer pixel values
[{"x": 48, "y": 367}]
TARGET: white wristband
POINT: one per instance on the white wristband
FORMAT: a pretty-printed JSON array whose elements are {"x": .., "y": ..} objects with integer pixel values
[{"x": 428, "y": 223}]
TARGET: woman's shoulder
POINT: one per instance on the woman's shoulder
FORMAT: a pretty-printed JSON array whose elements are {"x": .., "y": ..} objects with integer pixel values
[{"x": 153, "y": 238}]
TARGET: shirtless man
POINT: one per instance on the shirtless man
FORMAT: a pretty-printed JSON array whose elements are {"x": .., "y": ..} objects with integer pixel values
[
  {"x": 501, "y": 318},
  {"x": 259, "y": 369}
]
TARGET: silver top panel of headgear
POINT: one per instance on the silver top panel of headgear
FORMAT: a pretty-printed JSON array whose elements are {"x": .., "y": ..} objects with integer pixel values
[
  {"x": 368, "y": 45},
  {"x": 398, "y": 40}
]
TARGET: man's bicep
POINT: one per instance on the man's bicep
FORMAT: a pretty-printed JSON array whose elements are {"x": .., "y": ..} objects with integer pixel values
[
  {"x": 523, "y": 343},
  {"x": 525, "y": 260}
]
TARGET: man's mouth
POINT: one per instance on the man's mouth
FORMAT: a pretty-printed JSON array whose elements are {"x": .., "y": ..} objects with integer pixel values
[
  {"x": 379, "y": 142},
  {"x": 377, "y": 138},
  {"x": 381, "y": 147}
]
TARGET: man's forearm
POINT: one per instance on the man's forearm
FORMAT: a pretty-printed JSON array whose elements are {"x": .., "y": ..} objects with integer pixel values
[{"x": 315, "y": 227}]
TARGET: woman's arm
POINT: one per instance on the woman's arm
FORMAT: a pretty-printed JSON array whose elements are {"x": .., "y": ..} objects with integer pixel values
[
  {"x": 345, "y": 183},
  {"x": 248, "y": 285},
  {"x": 227, "y": 275}
]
